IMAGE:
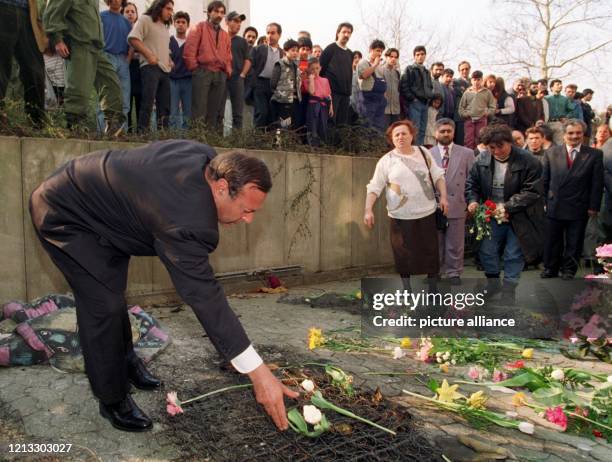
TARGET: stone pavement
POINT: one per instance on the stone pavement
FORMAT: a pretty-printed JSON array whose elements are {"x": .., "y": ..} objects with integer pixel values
[{"x": 42, "y": 405}]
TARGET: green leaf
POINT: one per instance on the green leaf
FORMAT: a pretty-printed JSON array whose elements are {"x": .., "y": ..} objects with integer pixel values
[
  {"x": 550, "y": 396},
  {"x": 433, "y": 385},
  {"x": 527, "y": 379},
  {"x": 295, "y": 417}
]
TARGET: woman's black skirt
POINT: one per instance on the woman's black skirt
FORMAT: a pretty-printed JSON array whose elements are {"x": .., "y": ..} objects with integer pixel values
[{"x": 415, "y": 245}]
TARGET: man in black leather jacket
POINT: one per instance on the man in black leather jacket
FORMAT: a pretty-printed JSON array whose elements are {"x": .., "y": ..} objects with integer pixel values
[{"x": 416, "y": 88}]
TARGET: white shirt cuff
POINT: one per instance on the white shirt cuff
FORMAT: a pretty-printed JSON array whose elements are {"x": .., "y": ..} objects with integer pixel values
[{"x": 247, "y": 361}]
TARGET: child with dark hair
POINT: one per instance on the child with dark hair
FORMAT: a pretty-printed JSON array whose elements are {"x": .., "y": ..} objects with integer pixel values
[
  {"x": 320, "y": 106},
  {"x": 373, "y": 86},
  {"x": 285, "y": 83},
  {"x": 433, "y": 113}
]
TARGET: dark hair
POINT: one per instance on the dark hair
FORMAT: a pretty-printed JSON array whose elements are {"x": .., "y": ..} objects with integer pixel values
[
  {"x": 316, "y": 45},
  {"x": 249, "y": 29},
  {"x": 436, "y": 97},
  {"x": 182, "y": 15},
  {"x": 533, "y": 131},
  {"x": 419, "y": 48},
  {"x": 348, "y": 25},
  {"x": 239, "y": 169},
  {"x": 462, "y": 63},
  {"x": 547, "y": 132},
  {"x": 128, "y": 4},
  {"x": 587, "y": 91},
  {"x": 392, "y": 50},
  {"x": 572, "y": 122},
  {"x": 477, "y": 75},
  {"x": 156, "y": 8},
  {"x": 436, "y": 64},
  {"x": 212, "y": 6},
  {"x": 444, "y": 121},
  {"x": 553, "y": 81},
  {"x": 261, "y": 40},
  {"x": 305, "y": 42},
  {"x": 279, "y": 29},
  {"x": 123, "y": 4},
  {"x": 496, "y": 134},
  {"x": 573, "y": 86},
  {"x": 304, "y": 33},
  {"x": 448, "y": 71},
  {"x": 312, "y": 61},
  {"x": 289, "y": 44},
  {"x": 377, "y": 45},
  {"x": 500, "y": 87},
  {"x": 544, "y": 81},
  {"x": 408, "y": 123},
  {"x": 357, "y": 53}
]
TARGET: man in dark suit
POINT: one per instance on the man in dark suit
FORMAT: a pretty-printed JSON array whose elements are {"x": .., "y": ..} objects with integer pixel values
[
  {"x": 572, "y": 176},
  {"x": 457, "y": 162},
  {"x": 163, "y": 199}
]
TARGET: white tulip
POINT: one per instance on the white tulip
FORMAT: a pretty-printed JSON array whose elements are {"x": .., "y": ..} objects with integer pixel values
[
  {"x": 526, "y": 427},
  {"x": 453, "y": 362},
  {"x": 558, "y": 374},
  {"x": 445, "y": 356},
  {"x": 439, "y": 359},
  {"x": 610, "y": 378},
  {"x": 308, "y": 385},
  {"x": 312, "y": 414},
  {"x": 438, "y": 354},
  {"x": 398, "y": 353}
]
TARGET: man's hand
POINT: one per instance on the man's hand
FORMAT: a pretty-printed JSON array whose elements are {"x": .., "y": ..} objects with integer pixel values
[
  {"x": 593, "y": 213},
  {"x": 270, "y": 393},
  {"x": 62, "y": 49},
  {"x": 152, "y": 60},
  {"x": 368, "y": 218},
  {"x": 444, "y": 205},
  {"x": 472, "y": 208}
]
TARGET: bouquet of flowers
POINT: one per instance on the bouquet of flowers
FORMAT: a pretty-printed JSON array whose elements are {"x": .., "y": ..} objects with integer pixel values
[{"x": 482, "y": 218}]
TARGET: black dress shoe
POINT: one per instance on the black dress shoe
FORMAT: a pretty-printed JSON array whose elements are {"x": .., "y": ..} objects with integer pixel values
[
  {"x": 140, "y": 377},
  {"x": 548, "y": 274},
  {"x": 454, "y": 281},
  {"x": 126, "y": 416},
  {"x": 567, "y": 276}
]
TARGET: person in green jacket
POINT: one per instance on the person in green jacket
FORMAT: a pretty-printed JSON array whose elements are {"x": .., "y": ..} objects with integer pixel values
[{"x": 75, "y": 31}]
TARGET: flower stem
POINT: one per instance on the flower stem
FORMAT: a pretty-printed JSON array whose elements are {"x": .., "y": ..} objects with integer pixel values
[
  {"x": 220, "y": 390},
  {"x": 591, "y": 421}
]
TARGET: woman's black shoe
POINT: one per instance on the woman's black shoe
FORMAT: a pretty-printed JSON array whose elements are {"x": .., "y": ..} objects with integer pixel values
[
  {"x": 126, "y": 416},
  {"x": 140, "y": 377}
]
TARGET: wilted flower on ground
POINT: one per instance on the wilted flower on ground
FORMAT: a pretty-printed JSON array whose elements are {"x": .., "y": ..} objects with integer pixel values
[
  {"x": 511, "y": 414},
  {"x": 499, "y": 376},
  {"x": 605, "y": 251},
  {"x": 405, "y": 343},
  {"x": 308, "y": 385},
  {"x": 173, "y": 405},
  {"x": 528, "y": 353},
  {"x": 519, "y": 399},
  {"x": 558, "y": 374},
  {"x": 444, "y": 368},
  {"x": 425, "y": 348},
  {"x": 398, "y": 353},
  {"x": 477, "y": 373},
  {"x": 315, "y": 338},
  {"x": 477, "y": 400},
  {"x": 448, "y": 393},
  {"x": 312, "y": 414},
  {"x": 526, "y": 427},
  {"x": 557, "y": 416},
  {"x": 518, "y": 364}
]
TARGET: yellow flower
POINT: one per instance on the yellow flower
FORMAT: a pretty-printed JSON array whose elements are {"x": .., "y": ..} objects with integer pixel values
[
  {"x": 477, "y": 400},
  {"x": 358, "y": 295},
  {"x": 315, "y": 338},
  {"x": 448, "y": 393},
  {"x": 444, "y": 368},
  {"x": 528, "y": 353},
  {"x": 519, "y": 399},
  {"x": 405, "y": 343}
]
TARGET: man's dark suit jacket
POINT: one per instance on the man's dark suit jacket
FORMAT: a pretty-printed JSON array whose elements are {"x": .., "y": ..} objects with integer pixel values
[
  {"x": 152, "y": 200},
  {"x": 571, "y": 193}
]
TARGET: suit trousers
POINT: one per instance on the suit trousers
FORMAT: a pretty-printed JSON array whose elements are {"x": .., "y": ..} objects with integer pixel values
[
  {"x": 556, "y": 255},
  {"x": 104, "y": 327},
  {"x": 451, "y": 245},
  {"x": 207, "y": 97}
]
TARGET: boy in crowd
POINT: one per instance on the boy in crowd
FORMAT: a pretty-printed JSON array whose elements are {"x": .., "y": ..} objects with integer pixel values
[
  {"x": 392, "y": 77},
  {"x": 285, "y": 84},
  {"x": 477, "y": 103},
  {"x": 316, "y": 51},
  {"x": 180, "y": 77}
]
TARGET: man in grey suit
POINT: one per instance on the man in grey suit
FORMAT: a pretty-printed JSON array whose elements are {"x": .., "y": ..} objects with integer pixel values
[
  {"x": 572, "y": 176},
  {"x": 163, "y": 199},
  {"x": 457, "y": 162}
]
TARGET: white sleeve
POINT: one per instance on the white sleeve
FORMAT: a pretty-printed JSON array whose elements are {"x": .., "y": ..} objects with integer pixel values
[
  {"x": 437, "y": 172},
  {"x": 247, "y": 361},
  {"x": 508, "y": 106},
  {"x": 380, "y": 178}
]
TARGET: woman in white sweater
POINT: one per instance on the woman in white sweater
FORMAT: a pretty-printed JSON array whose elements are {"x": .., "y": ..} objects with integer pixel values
[{"x": 407, "y": 173}]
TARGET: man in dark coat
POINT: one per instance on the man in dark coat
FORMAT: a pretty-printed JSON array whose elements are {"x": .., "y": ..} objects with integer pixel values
[
  {"x": 163, "y": 199},
  {"x": 573, "y": 186},
  {"x": 511, "y": 177}
]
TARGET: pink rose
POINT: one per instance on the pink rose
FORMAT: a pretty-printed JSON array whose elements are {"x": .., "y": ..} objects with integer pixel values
[{"x": 557, "y": 416}]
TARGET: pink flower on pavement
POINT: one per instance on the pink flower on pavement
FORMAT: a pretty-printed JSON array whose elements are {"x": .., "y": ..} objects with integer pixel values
[
  {"x": 518, "y": 364},
  {"x": 557, "y": 416},
  {"x": 596, "y": 276},
  {"x": 173, "y": 405},
  {"x": 605, "y": 251},
  {"x": 477, "y": 373},
  {"x": 499, "y": 376},
  {"x": 423, "y": 353},
  {"x": 591, "y": 329}
]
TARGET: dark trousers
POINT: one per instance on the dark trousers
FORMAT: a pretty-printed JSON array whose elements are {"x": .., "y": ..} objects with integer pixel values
[
  {"x": 208, "y": 97},
  {"x": 105, "y": 333},
  {"x": 18, "y": 40},
  {"x": 263, "y": 111},
  {"x": 135, "y": 93},
  {"x": 558, "y": 256},
  {"x": 341, "y": 109},
  {"x": 235, "y": 88},
  {"x": 317, "y": 114},
  {"x": 155, "y": 89},
  {"x": 285, "y": 114}
]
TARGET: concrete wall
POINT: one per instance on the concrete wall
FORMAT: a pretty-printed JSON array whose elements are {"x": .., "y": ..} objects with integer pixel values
[{"x": 312, "y": 218}]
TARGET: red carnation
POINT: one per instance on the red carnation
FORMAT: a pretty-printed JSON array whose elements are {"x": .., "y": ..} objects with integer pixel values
[{"x": 490, "y": 204}]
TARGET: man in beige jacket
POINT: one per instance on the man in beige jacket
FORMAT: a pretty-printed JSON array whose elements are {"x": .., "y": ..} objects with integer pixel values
[{"x": 22, "y": 36}]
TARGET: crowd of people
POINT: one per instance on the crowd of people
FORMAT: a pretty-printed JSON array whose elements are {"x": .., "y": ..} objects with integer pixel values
[{"x": 147, "y": 77}]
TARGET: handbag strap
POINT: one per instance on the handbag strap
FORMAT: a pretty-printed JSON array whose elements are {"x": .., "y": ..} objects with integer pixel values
[{"x": 427, "y": 164}]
